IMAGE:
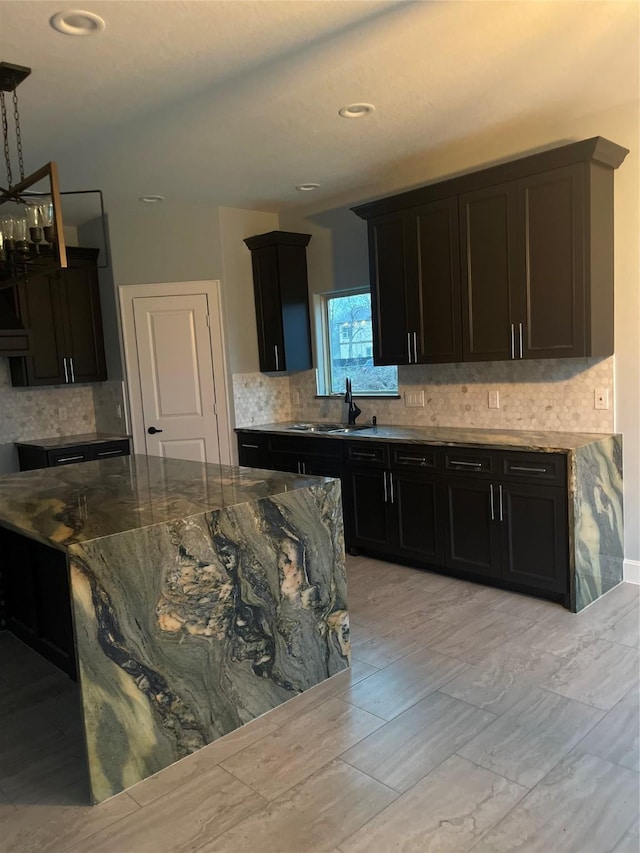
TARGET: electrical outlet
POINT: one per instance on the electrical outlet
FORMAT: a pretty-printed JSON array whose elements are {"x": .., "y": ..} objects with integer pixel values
[
  {"x": 493, "y": 400},
  {"x": 118, "y": 411},
  {"x": 414, "y": 399},
  {"x": 62, "y": 413},
  {"x": 296, "y": 399},
  {"x": 601, "y": 398}
]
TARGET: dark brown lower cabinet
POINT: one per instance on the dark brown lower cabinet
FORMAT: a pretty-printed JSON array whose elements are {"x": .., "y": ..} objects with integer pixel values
[
  {"x": 514, "y": 532},
  {"x": 35, "y": 585},
  {"x": 368, "y": 523}
]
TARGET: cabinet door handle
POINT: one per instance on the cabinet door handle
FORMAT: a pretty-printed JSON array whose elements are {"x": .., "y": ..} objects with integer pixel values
[
  {"x": 415, "y": 347},
  {"x": 384, "y": 480},
  {"x": 521, "y": 340},
  {"x": 304, "y": 467},
  {"x": 513, "y": 341},
  {"x": 493, "y": 513},
  {"x": 500, "y": 497},
  {"x": 391, "y": 487},
  {"x": 275, "y": 349},
  {"x": 409, "y": 346},
  {"x": 466, "y": 464},
  {"x": 73, "y": 374},
  {"x": 66, "y": 372},
  {"x": 69, "y": 459},
  {"x": 360, "y": 454},
  {"x": 528, "y": 469},
  {"x": 109, "y": 452},
  {"x": 421, "y": 460},
  {"x": 252, "y": 446}
]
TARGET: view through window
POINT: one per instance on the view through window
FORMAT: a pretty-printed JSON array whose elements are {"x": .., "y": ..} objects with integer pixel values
[{"x": 350, "y": 344}]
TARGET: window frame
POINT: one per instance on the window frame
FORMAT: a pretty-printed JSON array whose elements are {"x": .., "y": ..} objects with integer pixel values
[{"x": 323, "y": 346}]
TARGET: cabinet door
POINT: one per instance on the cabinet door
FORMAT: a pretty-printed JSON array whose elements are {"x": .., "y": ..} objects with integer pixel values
[
  {"x": 268, "y": 309},
  {"x": 80, "y": 302},
  {"x": 369, "y": 518},
  {"x": 551, "y": 299},
  {"x": 438, "y": 282},
  {"x": 534, "y": 536},
  {"x": 418, "y": 503},
  {"x": 53, "y": 605},
  {"x": 472, "y": 543},
  {"x": 489, "y": 267},
  {"x": 294, "y": 300},
  {"x": 39, "y": 302},
  {"x": 390, "y": 272}
]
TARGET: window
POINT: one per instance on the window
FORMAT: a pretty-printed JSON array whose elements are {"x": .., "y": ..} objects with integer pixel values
[{"x": 348, "y": 346}]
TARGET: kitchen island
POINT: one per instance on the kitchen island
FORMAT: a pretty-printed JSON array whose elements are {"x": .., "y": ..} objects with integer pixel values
[{"x": 200, "y": 597}]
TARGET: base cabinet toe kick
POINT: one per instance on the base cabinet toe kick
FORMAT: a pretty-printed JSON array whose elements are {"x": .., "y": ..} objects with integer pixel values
[{"x": 544, "y": 523}]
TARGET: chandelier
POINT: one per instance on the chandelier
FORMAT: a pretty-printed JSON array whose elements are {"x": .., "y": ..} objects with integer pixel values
[{"x": 31, "y": 233}]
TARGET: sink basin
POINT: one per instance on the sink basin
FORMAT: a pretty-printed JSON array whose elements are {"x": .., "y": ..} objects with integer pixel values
[
  {"x": 324, "y": 427},
  {"x": 350, "y": 428}
]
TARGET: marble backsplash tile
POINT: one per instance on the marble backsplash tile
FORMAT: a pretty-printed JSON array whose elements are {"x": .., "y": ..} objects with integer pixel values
[
  {"x": 261, "y": 399},
  {"x": 28, "y": 413},
  {"x": 108, "y": 400},
  {"x": 550, "y": 394}
]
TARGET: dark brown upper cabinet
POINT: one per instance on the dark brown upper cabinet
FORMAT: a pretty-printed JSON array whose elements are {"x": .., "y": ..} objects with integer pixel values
[
  {"x": 63, "y": 313},
  {"x": 415, "y": 284},
  {"x": 510, "y": 262},
  {"x": 279, "y": 261}
]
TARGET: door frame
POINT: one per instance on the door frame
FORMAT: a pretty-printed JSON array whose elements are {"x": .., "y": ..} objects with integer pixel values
[{"x": 126, "y": 294}]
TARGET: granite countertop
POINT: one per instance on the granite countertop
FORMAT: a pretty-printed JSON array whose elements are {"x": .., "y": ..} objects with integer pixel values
[
  {"x": 547, "y": 441},
  {"x": 92, "y": 500},
  {"x": 60, "y": 441}
]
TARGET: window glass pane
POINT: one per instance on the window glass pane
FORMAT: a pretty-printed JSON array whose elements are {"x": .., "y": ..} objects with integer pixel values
[{"x": 351, "y": 347}]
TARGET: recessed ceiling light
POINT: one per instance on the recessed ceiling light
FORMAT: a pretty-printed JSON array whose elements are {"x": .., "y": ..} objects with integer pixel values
[
  {"x": 76, "y": 22},
  {"x": 151, "y": 199},
  {"x": 307, "y": 188},
  {"x": 356, "y": 110}
]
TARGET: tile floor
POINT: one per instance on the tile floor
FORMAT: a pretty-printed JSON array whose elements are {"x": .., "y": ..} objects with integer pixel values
[{"x": 472, "y": 719}]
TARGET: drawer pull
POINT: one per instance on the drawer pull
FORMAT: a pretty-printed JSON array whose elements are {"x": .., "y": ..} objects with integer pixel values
[
  {"x": 359, "y": 454},
  {"x": 108, "y": 452},
  {"x": 421, "y": 459},
  {"x": 528, "y": 469},
  {"x": 69, "y": 459},
  {"x": 252, "y": 446},
  {"x": 466, "y": 464}
]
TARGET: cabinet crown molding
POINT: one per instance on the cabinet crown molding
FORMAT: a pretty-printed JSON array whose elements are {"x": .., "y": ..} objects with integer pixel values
[{"x": 277, "y": 238}]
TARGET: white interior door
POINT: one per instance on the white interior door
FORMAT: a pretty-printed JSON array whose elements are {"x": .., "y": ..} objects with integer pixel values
[{"x": 175, "y": 410}]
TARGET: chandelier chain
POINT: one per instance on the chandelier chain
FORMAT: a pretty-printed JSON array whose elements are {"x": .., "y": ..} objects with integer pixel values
[
  {"x": 5, "y": 136},
  {"x": 16, "y": 117}
]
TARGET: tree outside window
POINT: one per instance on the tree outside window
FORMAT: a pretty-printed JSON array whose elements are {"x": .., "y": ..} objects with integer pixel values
[{"x": 350, "y": 345}]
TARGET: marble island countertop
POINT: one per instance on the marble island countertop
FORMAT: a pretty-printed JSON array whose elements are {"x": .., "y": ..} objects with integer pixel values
[
  {"x": 543, "y": 441},
  {"x": 92, "y": 500}
]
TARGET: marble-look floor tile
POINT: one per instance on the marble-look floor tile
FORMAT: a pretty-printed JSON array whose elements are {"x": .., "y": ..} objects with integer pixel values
[
  {"x": 183, "y": 820},
  {"x": 616, "y": 737},
  {"x": 412, "y": 744},
  {"x": 626, "y": 630},
  {"x": 526, "y": 606},
  {"x": 531, "y": 737},
  {"x": 628, "y": 844},
  {"x": 446, "y": 812},
  {"x": 599, "y": 674},
  {"x": 38, "y": 690},
  {"x": 392, "y": 690},
  {"x": 35, "y": 770},
  {"x": 291, "y": 754},
  {"x": 59, "y": 826},
  {"x": 386, "y": 642},
  {"x": 192, "y": 766},
  {"x": 316, "y": 815},
  {"x": 584, "y": 805},
  {"x": 503, "y": 677},
  {"x": 474, "y": 640}
]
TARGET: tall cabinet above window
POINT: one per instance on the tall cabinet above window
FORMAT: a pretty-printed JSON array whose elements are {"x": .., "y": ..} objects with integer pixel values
[{"x": 279, "y": 260}]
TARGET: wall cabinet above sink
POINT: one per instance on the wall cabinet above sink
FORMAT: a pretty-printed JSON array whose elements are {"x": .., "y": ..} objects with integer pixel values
[{"x": 511, "y": 262}]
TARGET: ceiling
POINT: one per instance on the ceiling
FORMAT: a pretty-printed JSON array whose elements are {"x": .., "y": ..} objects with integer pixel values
[{"x": 235, "y": 103}]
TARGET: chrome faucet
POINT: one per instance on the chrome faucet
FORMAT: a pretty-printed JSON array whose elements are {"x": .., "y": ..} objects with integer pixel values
[{"x": 354, "y": 411}]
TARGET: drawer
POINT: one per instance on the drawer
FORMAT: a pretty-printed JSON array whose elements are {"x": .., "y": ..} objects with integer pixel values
[
  {"x": 305, "y": 446},
  {"x": 413, "y": 456},
  {"x": 367, "y": 453},
  {"x": 69, "y": 455},
  {"x": 106, "y": 449},
  {"x": 548, "y": 467},
  {"x": 467, "y": 461}
]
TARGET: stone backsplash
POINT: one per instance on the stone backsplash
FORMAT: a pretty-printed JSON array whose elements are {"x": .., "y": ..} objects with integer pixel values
[
  {"x": 262, "y": 399},
  {"x": 550, "y": 394},
  {"x": 108, "y": 400}
]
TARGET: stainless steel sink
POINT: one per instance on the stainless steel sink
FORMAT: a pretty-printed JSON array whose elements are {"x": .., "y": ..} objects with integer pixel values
[{"x": 325, "y": 427}]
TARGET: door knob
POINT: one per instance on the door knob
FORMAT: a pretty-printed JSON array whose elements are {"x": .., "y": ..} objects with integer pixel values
[{"x": 153, "y": 430}]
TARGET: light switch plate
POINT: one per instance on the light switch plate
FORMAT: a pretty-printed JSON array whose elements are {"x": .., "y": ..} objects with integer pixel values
[
  {"x": 414, "y": 399},
  {"x": 493, "y": 399}
]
